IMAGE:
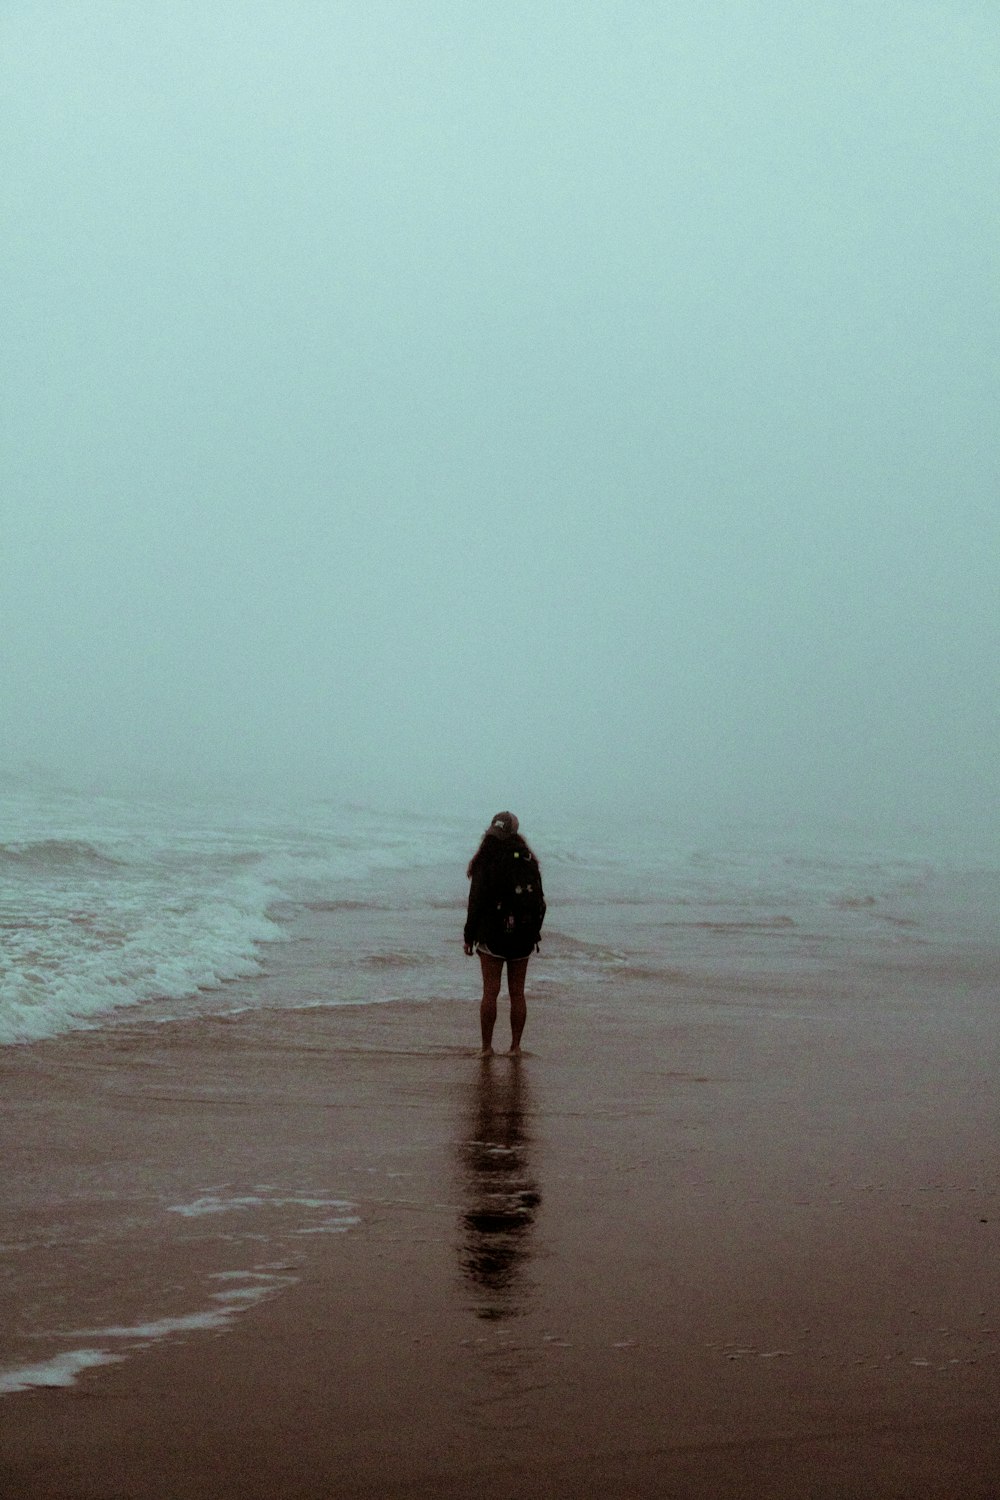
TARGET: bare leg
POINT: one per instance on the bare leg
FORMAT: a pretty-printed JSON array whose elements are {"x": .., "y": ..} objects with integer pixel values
[
  {"x": 492, "y": 969},
  {"x": 517, "y": 968}
]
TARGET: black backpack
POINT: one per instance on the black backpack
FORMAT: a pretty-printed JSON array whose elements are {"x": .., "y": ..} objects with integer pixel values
[{"x": 517, "y": 896}]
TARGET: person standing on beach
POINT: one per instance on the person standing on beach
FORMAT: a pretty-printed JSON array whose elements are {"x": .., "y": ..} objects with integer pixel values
[{"x": 504, "y": 921}]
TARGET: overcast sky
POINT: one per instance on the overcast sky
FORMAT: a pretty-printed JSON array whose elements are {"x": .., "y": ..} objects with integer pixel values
[{"x": 529, "y": 404}]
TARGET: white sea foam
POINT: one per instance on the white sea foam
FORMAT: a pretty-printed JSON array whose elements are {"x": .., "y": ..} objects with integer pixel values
[
  {"x": 262, "y": 1285},
  {"x": 212, "y": 1203},
  {"x": 337, "y": 1225},
  {"x": 105, "y": 904},
  {"x": 61, "y": 1370},
  {"x": 237, "y": 1291},
  {"x": 74, "y": 959}
]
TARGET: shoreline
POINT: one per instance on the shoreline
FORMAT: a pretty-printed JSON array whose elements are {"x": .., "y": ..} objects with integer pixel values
[{"x": 681, "y": 1247}]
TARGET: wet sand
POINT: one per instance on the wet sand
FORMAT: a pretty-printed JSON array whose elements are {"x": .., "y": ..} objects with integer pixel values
[{"x": 739, "y": 1244}]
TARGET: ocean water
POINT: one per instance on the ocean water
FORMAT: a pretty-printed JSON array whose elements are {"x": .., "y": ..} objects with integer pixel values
[{"x": 115, "y": 910}]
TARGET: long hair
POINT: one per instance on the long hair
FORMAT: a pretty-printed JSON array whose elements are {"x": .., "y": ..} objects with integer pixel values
[{"x": 490, "y": 847}]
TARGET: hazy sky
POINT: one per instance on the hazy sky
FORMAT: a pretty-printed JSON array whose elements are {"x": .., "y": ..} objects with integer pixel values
[{"x": 526, "y": 404}]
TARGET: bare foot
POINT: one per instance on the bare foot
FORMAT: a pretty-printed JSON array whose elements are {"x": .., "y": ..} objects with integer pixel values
[
  {"x": 514, "y": 1051},
  {"x": 486, "y": 1052}
]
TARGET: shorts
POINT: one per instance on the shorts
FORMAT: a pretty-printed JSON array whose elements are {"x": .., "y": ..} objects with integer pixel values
[{"x": 503, "y": 957}]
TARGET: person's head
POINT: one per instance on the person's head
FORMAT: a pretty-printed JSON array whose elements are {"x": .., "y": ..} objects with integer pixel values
[{"x": 502, "y": 825}]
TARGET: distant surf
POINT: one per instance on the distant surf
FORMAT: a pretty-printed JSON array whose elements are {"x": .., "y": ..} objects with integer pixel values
[{"x": 114, "y": 910}]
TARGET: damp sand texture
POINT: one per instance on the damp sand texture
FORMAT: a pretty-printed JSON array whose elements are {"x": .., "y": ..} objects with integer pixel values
[{"x": 737, "y": 1244}]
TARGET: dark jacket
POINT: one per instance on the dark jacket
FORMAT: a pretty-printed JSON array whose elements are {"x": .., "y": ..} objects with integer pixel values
[{"x": 482, "y": 924}]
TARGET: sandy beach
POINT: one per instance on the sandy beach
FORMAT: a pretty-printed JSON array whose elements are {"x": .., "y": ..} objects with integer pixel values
[
  {"x": 740, "y": 1245},
  {"x": 435, "y": 433}
]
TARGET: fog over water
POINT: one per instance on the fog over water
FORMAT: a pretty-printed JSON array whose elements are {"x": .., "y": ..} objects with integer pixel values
[{"x": 539, "y": 405}]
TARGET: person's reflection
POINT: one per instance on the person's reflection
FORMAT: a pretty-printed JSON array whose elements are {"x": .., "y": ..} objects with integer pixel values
[{"x": 500, "y": 1194}]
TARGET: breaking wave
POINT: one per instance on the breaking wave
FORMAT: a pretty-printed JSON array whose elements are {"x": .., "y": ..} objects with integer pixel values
[
  {"x": 53, "y": 854},
  {"x": 106, "y": 905},
  {"x": 68, "y": 973}
]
